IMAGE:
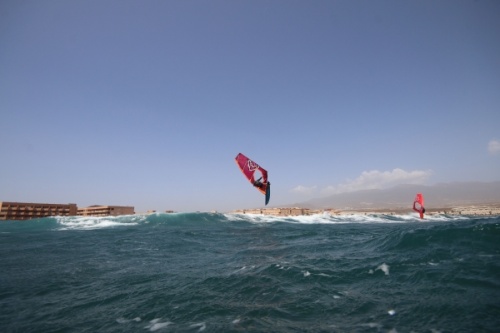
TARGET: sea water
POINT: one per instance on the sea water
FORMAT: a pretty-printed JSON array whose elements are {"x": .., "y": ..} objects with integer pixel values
[{"x": 201, "y": 272}]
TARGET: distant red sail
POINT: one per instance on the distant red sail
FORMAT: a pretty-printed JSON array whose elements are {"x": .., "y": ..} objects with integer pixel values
[
  {"x": 253, "y": 172},
  {"x": 418, "y": 205}
]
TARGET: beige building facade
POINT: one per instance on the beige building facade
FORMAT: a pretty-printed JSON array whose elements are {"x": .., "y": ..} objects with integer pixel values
[
  {"x": 105, "y": 210},
  {"x": 27, "y": 211}
]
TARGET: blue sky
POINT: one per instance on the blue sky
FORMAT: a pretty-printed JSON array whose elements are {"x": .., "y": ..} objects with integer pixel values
[{"x": 146, "y": 103}]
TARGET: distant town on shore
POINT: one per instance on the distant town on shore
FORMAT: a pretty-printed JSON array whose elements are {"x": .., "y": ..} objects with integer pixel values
[{"x": 26, "y": 211}]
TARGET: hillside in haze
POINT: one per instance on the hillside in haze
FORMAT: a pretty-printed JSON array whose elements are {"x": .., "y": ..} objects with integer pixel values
[{"x": 436, "y": 196}]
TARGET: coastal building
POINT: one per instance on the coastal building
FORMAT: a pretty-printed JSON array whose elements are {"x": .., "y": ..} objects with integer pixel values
[
  {"x": 27, "y": 211},
  {"x": 98, "y": 210}
]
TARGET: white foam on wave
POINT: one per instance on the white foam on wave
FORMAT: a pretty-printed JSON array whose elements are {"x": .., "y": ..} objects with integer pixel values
[
  {"x": 94, "y": 222},
  {"x": 384, "y": 268},
  {"x": 325, "y": 218},
  {"x": 322, "y": 218},
  {"x": 201, "y": 326},
  {"x": 155, "y": 324},
  {"x": 442, "y": 218},
  {"x": 122, "y": 320}
]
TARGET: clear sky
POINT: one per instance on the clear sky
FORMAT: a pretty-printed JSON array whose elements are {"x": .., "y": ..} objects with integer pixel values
[{"x": 147, "y": 103}]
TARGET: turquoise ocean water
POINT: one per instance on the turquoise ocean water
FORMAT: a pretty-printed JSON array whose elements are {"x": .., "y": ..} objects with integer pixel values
[{"x": 200, "y": 272}]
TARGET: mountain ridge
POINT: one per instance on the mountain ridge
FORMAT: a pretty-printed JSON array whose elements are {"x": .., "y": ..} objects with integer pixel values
[{"x": 401, "y": 196}]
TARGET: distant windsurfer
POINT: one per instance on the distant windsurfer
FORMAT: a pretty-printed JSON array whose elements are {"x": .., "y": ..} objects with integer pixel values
[
  {"x": 421, "y": 211},
  {"x": 419, "y": 199}
]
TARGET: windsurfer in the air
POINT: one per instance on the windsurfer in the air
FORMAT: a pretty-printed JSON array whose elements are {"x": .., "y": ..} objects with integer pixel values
[{"x": 260, "y": 184}]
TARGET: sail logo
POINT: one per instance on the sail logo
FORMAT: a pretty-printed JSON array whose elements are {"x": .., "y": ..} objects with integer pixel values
[{"x": 252, "y": 166}]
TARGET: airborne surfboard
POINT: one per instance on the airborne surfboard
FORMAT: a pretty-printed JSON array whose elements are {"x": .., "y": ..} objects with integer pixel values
[{"x": 255, "y": 174}]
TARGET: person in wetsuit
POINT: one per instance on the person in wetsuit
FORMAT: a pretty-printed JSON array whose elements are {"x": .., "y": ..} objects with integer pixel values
[
  {"x": 421, "y": 211},
  {"x": 260, "y": 184}
]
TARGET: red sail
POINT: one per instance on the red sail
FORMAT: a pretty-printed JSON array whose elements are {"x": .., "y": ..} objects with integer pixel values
[
  {"x": 252, "y": 171},
  {"x": 418, "y": 204}
]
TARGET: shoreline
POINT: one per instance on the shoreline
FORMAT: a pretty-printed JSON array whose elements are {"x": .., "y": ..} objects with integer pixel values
[{"x": 469, "y": 210}]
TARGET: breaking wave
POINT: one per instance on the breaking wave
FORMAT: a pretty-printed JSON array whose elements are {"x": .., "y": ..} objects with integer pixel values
[{"x": 186, "y": 219}]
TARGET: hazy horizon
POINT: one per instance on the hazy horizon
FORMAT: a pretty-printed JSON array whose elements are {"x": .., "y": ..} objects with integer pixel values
[{"x": 401, "y": 196}]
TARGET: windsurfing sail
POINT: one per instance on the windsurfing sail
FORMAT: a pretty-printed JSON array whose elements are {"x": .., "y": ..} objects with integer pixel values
[
  {"x": 418, "y": 205},
  {"x": 256, "y": 175}
]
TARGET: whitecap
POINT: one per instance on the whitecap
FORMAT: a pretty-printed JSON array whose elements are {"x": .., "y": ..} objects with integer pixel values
[
  {"x": 122, "y": 320},
  {"x": 155, "y": 324},
  {"x": 94, "y": 222},
  {"x": 384, "y": 268},
  {"x": 321, "y": 218},
  {"x": 201, "y": 326}
]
